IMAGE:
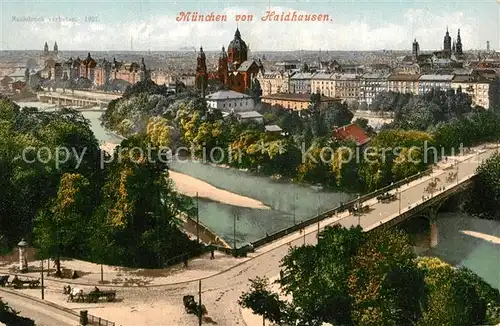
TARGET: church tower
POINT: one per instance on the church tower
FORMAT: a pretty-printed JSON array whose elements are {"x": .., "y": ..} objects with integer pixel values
[
  {"x": 237, "y": 51},
  {"x": 447, "y": 44},
  {"x": 46, "y": 49},
  {"x": 56, "y": 48},
  {"x": 223, "y": 70},
  {"x": 459, "y": 48},
  {"x": 201, "y": 71},
  {"x": 144, "y": 71},
  {"x": 415, "y": 50}
]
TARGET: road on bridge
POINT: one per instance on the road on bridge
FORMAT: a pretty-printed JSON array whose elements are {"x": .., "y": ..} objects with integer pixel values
[
  {"x": 221, "y": 292},
  {"x": 42, "y": 314}
]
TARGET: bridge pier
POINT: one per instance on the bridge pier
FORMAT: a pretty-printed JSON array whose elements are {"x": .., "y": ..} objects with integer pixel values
[{"x": 434, "y": 234}]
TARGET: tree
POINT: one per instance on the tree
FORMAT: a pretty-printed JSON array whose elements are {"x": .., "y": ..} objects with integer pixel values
[
  {"x": 262, "y": 301},
  {"x": 383, "y": 274},
  {"x": 451, "y": 299},
  {"x": 485, "y": 193},
  {"x": 9, "y": 316},
  {"x": 62, "y": 228},
  {"x": 140, "y": 227}
]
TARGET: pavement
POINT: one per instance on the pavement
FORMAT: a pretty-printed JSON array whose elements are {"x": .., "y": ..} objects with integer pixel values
[{"x": 42, "y": 313}]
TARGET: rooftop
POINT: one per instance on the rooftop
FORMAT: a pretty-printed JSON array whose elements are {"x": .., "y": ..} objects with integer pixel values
[
  {"x": 298, "y": 97},
  {"x": 322, "y": 76},
  {"x": 352, "y": 132},
  {"x": 249, "y": 114},
  {"x": 224, "y": 95},
  {"x": 303, "y": 75},
  {"x": 272, "y": 128},
  {"x": 403, "y": 77},
  {"x": 436, "y": 77}
]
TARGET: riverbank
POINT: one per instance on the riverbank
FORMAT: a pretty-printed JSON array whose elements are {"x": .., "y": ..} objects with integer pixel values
[{"x": 190, "y": 186}]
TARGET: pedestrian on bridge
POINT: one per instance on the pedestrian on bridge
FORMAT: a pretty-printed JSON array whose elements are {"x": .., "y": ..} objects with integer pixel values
[{"x": 212, "y": 256}]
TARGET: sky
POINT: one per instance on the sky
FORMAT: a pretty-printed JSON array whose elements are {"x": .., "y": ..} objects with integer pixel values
[{"x": 362, "y": 25}]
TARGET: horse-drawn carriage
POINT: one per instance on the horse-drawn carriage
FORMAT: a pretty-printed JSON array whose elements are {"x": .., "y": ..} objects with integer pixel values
[
  {"x": 386, "y": 198},
  {"x": 451, "y": 176},
  {"x": 432, "y": 186},
  {"x": 359, "y": 209},
  {"x": 17, "y": 283},
  {"x": 192, "y": 307},
  {"x": 77, "y": 295}
]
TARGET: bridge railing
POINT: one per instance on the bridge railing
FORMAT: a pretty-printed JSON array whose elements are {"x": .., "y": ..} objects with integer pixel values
[{"x": 338, "y": 209}]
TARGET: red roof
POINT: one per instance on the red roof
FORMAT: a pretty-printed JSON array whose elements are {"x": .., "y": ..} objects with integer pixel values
[{"x": 352, "y": 132}]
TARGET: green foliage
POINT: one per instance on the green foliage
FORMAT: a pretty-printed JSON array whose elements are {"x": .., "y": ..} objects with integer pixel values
[
  {"x": 10, "y": 316},
  {"x": 355, "y": 278},
  {"x": 262, "y": 301},
  {"x": 484, "y": 198}
]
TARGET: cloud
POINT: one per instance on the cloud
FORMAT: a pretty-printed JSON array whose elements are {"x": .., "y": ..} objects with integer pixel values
[{"x": 162, "y": 33}]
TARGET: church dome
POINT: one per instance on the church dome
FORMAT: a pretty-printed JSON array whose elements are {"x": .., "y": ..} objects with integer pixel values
[{"x": 237, "y": 43}]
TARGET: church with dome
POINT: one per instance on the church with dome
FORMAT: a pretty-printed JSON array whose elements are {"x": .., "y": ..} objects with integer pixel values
[{"x": 234, "y": 69}]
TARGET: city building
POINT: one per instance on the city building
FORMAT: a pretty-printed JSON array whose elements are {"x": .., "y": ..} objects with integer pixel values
[
  {"x": 371, "y": 85},
  {"x": 249, "y": 116},
  {"x": 348, "y": 87},
  {"x": 451, "y": 47},
  {"x": 230, "y": 101},
  {"x": 427, "y": 82},
  {"x": 403, "y": 83},
  {"x": 352, "y": 132},
  {"x": 234, "y": 68},
  {"x": 324, "y": 84},
  {"x": 296, "y": 102},
  {"x": 480, "y": 89},
  {"x": 300, "y": 83},
  {"x": 46, "y": 56},
  {"x": 272, "y": 82}
]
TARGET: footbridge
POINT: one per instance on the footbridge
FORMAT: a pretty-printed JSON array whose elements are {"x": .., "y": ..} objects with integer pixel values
[
  {"x": 96, "y": 101},
  {"x": 421, "y": 195}
]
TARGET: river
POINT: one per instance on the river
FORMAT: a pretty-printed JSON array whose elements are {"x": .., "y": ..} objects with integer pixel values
[
  {"x": 288, "y": 202},
  {"x": 463, "y": 240}
]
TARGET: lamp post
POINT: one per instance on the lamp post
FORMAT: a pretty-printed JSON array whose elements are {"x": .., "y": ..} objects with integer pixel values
[
  {"x": 23, "y": 260},
  {"x": 317, "y": 192},
  {"x": 359, "y": 211},
  {"x": 197, "y": 221},
  {"x": 294, "y": 198},
  {"x": 458, "y": 164},
  {"x": 235, "y": 217},
  {"x": 400, "y": 193},
  {"x": 41, "y": 274}
]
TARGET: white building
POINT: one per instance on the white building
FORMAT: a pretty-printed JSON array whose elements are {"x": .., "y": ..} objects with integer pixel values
[
  {"x": 250, "y": 115},
  {"x": 479, "y": 88},
  {"x": 230, "y": 101},
  {"x": 371, "y": 85},
  {"x": 324, "y": 84},
  {"x": 427, "y": 82}
]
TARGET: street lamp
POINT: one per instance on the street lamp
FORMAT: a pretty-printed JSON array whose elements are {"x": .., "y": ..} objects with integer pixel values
[
  {"x": 41, "y": 274},
  {"x": 235, "y": 217},
  {"x": 294, "y": 198},
  {"x": 358, "y": 209},
  {"x": 317, "y": 191},
  {"x": 400, "y": 193}
]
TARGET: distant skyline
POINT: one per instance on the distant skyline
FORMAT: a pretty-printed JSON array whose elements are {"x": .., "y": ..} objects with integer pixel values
[{"x": 151, "y": 25}]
